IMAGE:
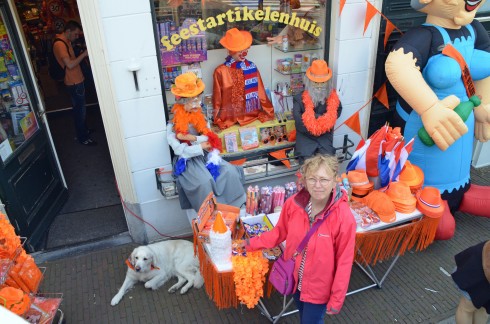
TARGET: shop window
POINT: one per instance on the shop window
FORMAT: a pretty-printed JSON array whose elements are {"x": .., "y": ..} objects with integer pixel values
[{"x": 190, "y": 33}]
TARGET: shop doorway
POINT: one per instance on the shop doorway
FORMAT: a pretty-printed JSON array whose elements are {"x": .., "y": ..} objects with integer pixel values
[{"x": 93, "y": 209}]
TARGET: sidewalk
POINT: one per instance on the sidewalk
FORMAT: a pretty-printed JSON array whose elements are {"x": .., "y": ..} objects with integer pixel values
[
  {"x": 417, "y": 290},
  {"x": 88, "y": 283}
]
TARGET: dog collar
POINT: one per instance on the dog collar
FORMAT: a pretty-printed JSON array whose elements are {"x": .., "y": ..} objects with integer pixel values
[{"x": 131, "y": 266}]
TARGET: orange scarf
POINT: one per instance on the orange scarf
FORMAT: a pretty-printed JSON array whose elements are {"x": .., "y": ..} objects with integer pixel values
[{"x": 324, "y": 123}]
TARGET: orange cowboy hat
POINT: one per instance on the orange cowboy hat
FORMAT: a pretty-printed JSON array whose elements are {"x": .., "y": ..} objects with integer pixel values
[
  {"x": 319, "y": 71},
  {"x": 236, "y": 40},
  {"x": 412, "y": 175},
  {"x": 429, "y": 202},
  {"x": 380, "y": 203},
  {"x": 402, "y": 197},
  {"x": 187, "y": 85},
  {"x": 360, "y": 184}
]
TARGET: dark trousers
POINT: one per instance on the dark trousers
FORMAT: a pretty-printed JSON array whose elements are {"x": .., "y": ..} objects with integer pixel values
[
  {"x": 77, "y": 94},
  {"x": 309, "y": 313}
]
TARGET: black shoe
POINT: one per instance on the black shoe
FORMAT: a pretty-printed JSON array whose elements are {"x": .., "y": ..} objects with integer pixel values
[{"x": 89, "y": 142}]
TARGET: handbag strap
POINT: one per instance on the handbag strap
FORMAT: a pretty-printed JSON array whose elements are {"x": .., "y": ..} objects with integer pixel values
[{"x": 305, "y": 240}]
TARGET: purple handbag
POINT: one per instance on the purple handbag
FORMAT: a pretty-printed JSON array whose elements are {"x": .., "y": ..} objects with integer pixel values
[{"x": 282, "y": 272}]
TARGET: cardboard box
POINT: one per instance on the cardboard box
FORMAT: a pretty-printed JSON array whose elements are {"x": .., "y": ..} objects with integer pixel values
[{"x": 207, "y": 214}]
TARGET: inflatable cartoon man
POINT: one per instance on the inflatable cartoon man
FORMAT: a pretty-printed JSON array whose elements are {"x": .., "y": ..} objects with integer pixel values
[{"x": 433, "y": 68}]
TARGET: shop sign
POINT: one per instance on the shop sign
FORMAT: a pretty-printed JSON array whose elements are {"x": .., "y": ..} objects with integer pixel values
[{"x": 237, "y": 15}]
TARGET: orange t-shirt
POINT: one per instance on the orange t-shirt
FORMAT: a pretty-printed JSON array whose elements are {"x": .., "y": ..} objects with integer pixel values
[{"x": 74, "y": 75}]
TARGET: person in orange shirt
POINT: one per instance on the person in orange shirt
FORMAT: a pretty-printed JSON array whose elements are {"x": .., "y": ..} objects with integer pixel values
[{"x": 74, "y": 80}]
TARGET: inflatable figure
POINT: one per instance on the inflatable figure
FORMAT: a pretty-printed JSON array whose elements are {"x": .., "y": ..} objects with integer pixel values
[{"x": 434, "y": 68}]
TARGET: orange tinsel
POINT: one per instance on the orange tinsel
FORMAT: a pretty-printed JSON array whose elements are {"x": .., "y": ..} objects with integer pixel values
[
  {"x": 182, "y": 119},
  {"x": 249, "y": 276},
  {"x": 324, "y": 123}
]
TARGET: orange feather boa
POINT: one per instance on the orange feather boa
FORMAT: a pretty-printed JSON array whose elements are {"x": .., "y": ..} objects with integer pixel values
[
  {"x": 183, "y": 118},
  {"x": 321, "y": 125}
]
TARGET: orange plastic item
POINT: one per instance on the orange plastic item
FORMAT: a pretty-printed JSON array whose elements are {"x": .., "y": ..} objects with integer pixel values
[
  {"x": 219, "y": 224},
  {"x": 30, "y": 274},
  {"x": 15, "y": 300}
]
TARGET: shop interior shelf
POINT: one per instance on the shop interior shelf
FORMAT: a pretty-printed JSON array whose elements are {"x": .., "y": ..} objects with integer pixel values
[
  {"x": 289, "y": 73},
  {"x": 298, "y": 48},
  {"x": 45, "y": 309}
]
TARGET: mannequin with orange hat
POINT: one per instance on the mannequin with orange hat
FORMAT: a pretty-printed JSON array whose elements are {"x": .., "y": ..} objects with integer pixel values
[
  {"x": 238, "y": 92},
  {"x": 315, "y": 113},
  {"x": 433, "y": 68},
  {"x": 198, "y": 167}
]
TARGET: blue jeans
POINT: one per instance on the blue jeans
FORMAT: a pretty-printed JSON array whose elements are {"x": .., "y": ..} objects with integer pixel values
[
  {"x": 77, "y": 94},
  {"x": 309, "y": 313}
]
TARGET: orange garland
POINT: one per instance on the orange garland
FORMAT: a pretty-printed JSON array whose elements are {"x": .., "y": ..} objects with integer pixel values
[
  {"x": 183, "y": 118},
  {"x": 249, "y": 276},
  {"x": 324, "y": 123}
]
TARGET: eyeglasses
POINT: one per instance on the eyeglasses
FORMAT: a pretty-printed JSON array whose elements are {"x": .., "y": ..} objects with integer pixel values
[{"x": 313, "y": 181}]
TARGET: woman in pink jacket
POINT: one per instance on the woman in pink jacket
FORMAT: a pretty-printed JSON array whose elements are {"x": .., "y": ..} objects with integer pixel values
[{"x": 322, "y": 270}]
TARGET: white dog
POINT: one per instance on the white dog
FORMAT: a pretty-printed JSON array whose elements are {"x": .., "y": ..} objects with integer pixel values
[{"x": 156, "y": 263}]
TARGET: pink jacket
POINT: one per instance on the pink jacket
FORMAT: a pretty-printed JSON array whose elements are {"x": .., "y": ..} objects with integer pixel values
[{"x": 330, "y": 254}]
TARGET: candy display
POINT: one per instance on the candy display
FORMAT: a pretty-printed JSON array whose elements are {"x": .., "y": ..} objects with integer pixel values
[
  {"x": 255, "y": 229},
  {"x": 364, "y": 215}
]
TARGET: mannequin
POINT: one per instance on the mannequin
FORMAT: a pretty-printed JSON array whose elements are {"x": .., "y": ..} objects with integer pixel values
[
  {"x": 234, "y": 102},
  {"x": 198, "y": 167},
  {"x": 314, "y": 129}
]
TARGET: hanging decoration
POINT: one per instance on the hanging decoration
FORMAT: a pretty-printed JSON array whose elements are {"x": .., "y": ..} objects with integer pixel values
[
  {"x": 354, "y": 123},
  {"x": 382, "y": 96},
  {"x": 370, "y": 12}
]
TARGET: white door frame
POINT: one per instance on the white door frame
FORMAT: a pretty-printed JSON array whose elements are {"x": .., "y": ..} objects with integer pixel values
[{"x": 96, "y": 46}]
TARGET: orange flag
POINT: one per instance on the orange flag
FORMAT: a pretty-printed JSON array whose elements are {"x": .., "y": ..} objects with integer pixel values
[
  {"x": 388, "y": 30},
  {"x": 382, "y": 96},
  {"x": 239, "y": 162},
  {"x": 342, "y": 3},
  {"x": 370, "y": 12},
  {"x": 281, "y": 154},
  {"x": 354, "y": 123}
]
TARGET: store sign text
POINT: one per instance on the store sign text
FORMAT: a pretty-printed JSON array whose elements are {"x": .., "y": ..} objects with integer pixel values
[{"x": 241, "y": 14}]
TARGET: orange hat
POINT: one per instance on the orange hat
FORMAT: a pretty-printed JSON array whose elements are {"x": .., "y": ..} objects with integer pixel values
[
  {"x": 219, "y": 224},
  {"x": 360, "y": 184},
  {"x": 412, "y": 175},
  {"x": 401, "y": 196},
  {"x": 429, "y": 202},
  {"x": 319, "y": 71},
  {"x": 236, "y": 40},
  {"x": 187, "y": 85},
  {"x": 382, "y": 205}
]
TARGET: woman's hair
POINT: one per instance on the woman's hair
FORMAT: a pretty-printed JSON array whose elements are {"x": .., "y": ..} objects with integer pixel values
[{"x": 312, "y": 164}]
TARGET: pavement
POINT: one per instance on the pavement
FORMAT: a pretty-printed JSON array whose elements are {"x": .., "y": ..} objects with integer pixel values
[{"x": 417, "y": 290}]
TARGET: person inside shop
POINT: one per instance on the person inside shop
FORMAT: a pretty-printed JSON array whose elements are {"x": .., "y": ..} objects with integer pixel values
[
  {"x": 74, "y": 79},
  {"x": 192, "y": 141},
  {"x": 238, "y": 91},
  {"x": 323, "y": 268},
  {"x": 315, "y": 112},
  {"x": 472, "y": 278},
  {"x": 434, "y": 68}
]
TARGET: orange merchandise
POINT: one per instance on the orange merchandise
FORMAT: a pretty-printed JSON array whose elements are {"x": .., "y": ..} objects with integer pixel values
[
  {"x": 413, "y": 176},
  {"x": 382, "y": 205},
  {"x": 402, "y": 197},
  {"x": 359, "y": 181},
  {"x": 15, "y": 300},
  {"x": 429, "y": 202}
]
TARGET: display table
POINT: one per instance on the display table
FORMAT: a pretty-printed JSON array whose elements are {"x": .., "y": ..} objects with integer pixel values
[{"x": 380, "y": 241}]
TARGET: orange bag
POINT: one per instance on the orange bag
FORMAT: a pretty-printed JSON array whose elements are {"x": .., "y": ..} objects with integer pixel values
[{"x": 30, "y": 274}]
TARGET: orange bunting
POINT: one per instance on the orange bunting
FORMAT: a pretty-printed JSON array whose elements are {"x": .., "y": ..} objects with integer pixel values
[
  {"x": 388, "y": 30},
  {"x": 354, "y": 123},
  {"x": 382, "y": 96},
  {"x": 370, "y": 12},
  {"x": 342, "y": 4},
  {"x": 281, "y": 155},
  {"x": 238, "y": 162}
]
